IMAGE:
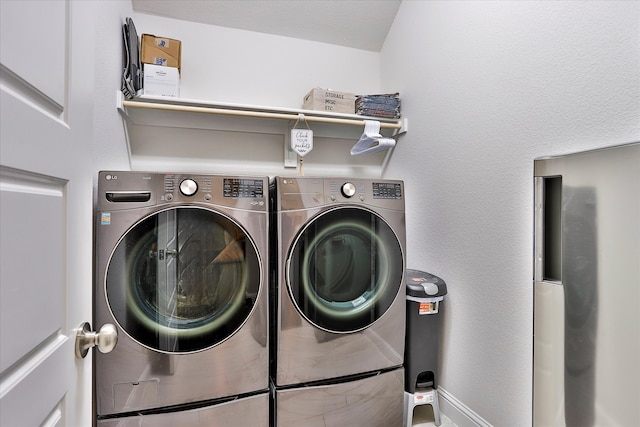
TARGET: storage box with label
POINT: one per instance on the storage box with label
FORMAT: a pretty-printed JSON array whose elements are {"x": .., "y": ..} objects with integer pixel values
[
  {"x": 329, "y": 100},
  {"x": 160, "y": 81},
  {"x": 160, "y": 51}
]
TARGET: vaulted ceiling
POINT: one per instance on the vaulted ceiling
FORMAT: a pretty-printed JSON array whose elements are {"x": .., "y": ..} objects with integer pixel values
[{"x": 361, "y": 24}]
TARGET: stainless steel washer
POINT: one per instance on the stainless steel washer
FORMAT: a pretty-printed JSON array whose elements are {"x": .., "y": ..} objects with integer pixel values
[
  {"x": 338, "y": 294},
  {"x": 181, "y": 270}
]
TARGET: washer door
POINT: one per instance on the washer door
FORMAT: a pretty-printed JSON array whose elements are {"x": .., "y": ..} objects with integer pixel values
[
  {"x": 345, "y": 269},
  {"x": 183, "y": 279}
]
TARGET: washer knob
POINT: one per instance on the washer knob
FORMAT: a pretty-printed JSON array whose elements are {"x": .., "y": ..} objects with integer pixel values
[
  {"x": 348, "y": 189},
  {"x": 188, "y": 187}
]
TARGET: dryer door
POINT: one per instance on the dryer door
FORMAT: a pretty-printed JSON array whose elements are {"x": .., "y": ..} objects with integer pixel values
[
  {"x": 345, "y": 269},
  {"x": 183, "y": 279}
]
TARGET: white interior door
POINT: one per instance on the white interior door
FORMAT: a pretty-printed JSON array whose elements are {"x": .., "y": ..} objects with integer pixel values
[{"x": 47, "y": 80}]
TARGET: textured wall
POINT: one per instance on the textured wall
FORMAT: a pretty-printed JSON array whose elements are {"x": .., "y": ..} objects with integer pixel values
[{"x": 487, "y": 87}]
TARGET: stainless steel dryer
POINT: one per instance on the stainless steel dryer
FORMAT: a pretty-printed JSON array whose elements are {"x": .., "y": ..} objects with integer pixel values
[
  {"x": 339, "y": 307},
  {"x": 181, "y": 270}
]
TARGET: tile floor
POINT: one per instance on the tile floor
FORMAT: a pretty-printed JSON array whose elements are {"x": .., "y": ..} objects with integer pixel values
[{"x": 423, "y": 417}]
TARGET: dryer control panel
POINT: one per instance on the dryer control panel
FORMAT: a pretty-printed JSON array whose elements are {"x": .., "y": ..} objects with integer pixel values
[
  {"x": 306, "y": 192},
  {"x": 387, "y": 190}
]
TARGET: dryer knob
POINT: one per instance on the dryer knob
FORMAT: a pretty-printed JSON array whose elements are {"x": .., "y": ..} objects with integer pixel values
[
  {"x": 348, "y": 189},
  {"x": 188, "y": 187}
]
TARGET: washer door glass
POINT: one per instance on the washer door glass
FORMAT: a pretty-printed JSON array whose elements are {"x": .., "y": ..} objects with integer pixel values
[
  {"x": 345, "y": 269},
  {"x": 183, "y": 279}
]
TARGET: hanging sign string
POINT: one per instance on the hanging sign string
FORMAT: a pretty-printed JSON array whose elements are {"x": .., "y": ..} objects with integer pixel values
[
  {"x": 301, "y": 140},
  {"x": 302, "y": 119}
]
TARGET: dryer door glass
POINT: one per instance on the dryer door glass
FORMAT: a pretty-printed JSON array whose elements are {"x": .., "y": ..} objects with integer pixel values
[
  {"x": 183, "y": 279},
  {"x": 345, "y": 269}
]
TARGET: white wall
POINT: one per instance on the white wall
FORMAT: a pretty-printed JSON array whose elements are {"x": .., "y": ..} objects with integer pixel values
[
  {"x": 488, "y": 87},
  {"x": 227, "y": 65},
  {"x": 109, "y": 145}
]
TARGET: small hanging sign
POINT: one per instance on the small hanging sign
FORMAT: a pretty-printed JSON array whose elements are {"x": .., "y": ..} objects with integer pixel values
[{"x": 301, "y": 139}]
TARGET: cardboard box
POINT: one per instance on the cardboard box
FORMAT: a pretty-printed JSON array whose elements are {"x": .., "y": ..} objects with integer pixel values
[
  {"x": 160, "y": 51},
  {"x": 330, "y": 100},
  {"x": 160, "y": 81}
]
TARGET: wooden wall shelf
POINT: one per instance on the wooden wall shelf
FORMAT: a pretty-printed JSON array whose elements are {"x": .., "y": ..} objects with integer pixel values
[{"x": 201, "y": 136}]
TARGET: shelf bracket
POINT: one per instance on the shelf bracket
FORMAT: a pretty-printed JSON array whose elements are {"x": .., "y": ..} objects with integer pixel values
[
  {"x": 290, "y": 156},
  {"x": 404, "y": 127}
]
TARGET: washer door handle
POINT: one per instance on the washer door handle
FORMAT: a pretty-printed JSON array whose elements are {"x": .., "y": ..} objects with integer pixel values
[{"x": 105, "y": 339}]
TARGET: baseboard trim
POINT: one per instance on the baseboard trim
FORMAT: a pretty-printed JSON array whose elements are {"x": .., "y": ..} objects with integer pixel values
[{"x": 458, "y": 412}]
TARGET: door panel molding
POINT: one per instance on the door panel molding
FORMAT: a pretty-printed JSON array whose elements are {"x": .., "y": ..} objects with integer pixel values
[
  {"x": 34, "y": 249},
  {"x": 34, "y": 37},
  {"x": 20, "y": 89}
]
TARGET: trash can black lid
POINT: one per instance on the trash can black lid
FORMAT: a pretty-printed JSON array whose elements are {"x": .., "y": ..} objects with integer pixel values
[{"x": 424, "y": 285}]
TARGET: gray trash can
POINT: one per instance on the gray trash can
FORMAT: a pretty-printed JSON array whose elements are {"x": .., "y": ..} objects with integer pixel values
[{"x": 425, "y": 294}]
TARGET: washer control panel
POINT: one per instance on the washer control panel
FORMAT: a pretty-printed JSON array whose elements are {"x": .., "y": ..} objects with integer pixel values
[
  {"x": 131, "y": 189},
  {"x": 176, "y": 185},
  {"x": 229, "y": 187},
  {"x": 243, "y": 187}
]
